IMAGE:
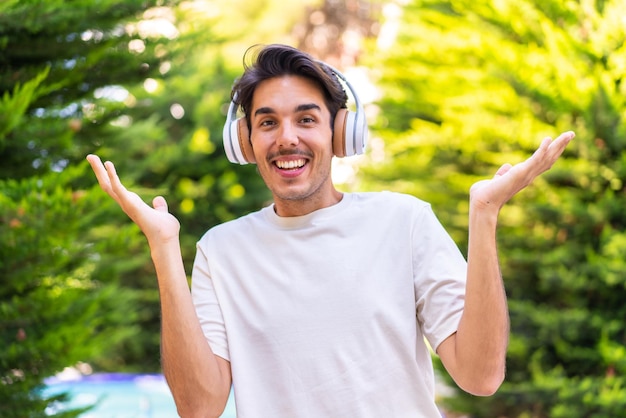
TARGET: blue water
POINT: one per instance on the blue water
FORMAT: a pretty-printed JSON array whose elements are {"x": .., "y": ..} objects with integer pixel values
[{"x": 120, "y": 395}]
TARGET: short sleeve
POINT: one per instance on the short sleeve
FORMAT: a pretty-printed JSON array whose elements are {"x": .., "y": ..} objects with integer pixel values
[
  {"x": 207, "y": 305},
  {"x": 440, "y": 272}
]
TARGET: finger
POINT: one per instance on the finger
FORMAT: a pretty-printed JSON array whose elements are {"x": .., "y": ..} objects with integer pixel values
[
  {"x": 550, "y": 150},
  {"x": 116, "y": 184},
  {"x": 503, "y": 170},
  {"x": 95, "y": 163},
  {"x": 159, "y": 204},
  {"x": 545, "y": 144},
  {"x": 562, "y": 140},
  {"x": 567, "y": 136},
  {"x": 100, "y": 172},
  {"x": 93, "y": 159}
]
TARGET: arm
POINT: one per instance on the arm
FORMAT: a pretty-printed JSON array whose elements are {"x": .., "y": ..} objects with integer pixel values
[
  {"x": 200, "y": 381},
  {"x": 475, "y": 355}
]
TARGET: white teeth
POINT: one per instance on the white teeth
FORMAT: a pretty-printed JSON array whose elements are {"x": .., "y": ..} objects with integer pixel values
[{"x": 290, "y": 165}]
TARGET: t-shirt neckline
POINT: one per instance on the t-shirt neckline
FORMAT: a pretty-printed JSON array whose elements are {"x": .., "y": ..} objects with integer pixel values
[{"x": 294, "y": 222}]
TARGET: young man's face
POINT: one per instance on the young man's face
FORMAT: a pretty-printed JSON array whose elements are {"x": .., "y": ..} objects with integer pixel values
[{"x": 292, "y": 143}]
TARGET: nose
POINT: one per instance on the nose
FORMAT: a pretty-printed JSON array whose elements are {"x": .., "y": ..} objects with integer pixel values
[{"x": 287, "y": 136}]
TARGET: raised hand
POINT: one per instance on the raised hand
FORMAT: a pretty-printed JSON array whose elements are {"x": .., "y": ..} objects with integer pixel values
[
  {"x": 492, "y": 194},
  {"x": 157, "y": 224}
]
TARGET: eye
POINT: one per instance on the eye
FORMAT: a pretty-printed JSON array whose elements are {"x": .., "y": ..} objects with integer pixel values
[
  {"x": 267, "y": 122},
  {"x": 307, "y": 119}
]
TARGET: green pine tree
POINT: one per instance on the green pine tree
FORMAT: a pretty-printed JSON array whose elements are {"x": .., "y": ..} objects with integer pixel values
[
  {"x": 144, "y": 84},
  {"x": 468, "y": 86},
  {"x": 61, "y": 300}
]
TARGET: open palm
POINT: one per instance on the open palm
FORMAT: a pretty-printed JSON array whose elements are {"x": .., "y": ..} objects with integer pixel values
[
  {"x": 156, "y": 222},
  {"x": 509, "y": 180}
]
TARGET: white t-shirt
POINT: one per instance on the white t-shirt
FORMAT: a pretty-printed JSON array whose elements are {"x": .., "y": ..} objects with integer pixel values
[{"x": 324, "y": 315}]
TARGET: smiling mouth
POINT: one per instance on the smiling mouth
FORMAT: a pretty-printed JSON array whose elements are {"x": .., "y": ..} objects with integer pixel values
[{"x": 291, "y": 164}]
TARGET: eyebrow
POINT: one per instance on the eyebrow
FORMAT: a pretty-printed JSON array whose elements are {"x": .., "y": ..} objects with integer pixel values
[{"x": 299, "y": 108}]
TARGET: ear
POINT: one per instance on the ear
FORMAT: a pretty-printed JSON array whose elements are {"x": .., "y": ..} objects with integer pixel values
[
  {"x": 243, "y": 135},
  {"x": 339, "y": 133}
]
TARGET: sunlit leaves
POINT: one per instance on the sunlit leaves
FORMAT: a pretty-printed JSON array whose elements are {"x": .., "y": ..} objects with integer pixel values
[{"x": 470, "y": 85}]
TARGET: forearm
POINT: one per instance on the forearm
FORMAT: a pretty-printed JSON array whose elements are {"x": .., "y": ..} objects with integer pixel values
[
  {"x": 199, "y": 380},
  {"x": 481, "y": 339},
  {"x": 477, "y": 351}
]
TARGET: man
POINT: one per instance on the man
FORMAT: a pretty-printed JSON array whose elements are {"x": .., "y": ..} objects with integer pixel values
[{"x": 318, "y": 305}]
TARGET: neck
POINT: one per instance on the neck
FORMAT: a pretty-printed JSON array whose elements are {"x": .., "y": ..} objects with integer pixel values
[{"x": 301, "y": 207}]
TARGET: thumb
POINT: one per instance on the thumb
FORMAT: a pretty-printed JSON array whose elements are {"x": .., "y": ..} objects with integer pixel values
[
  {"x": 159, "y": 204},
  {"x": 503, "y": 170}
]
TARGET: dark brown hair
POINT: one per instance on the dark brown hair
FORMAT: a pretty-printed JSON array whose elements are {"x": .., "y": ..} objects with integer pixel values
[{"x": 279, "y": 60}]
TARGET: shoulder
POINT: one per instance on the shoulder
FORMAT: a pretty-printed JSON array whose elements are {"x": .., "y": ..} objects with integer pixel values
[
  {"x": 234, "y": 228},
  {"x": 387, "y": 200},
  {"x": 405, "y": 211}
]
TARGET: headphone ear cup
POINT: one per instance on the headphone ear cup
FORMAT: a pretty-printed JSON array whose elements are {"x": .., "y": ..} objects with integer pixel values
[
  {"x": 356, "y": 137},
  {"x": 339, "y": 133},
  {"x": 236, "y": 137},
  {"x": 243, "y": 137},
  {"x": 237, "y": 142},
  {"x": 350, "y": 133}
]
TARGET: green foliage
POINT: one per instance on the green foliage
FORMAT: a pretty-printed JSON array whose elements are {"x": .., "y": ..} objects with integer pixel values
[
  {"x": 13, "y": 105},
  {"x": 62, "y": 298},
  {"x": 80, "y": 48},
  {"x": 145, "y": 84},
  {"x": 469, "y": 86},
  {"x": 54, "y": 308}
]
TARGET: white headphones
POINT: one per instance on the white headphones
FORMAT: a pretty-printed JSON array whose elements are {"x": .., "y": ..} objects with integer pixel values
[{"x": 349, "y": 130}]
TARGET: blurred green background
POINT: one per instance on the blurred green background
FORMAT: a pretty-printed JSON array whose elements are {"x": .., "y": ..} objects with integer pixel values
[{"x": 453, "y": 89}]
